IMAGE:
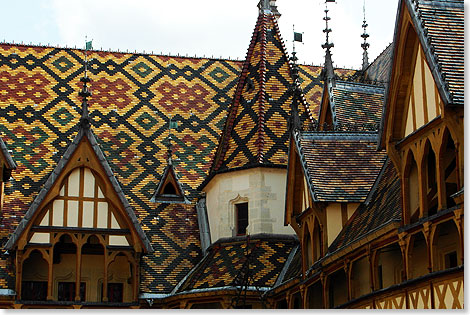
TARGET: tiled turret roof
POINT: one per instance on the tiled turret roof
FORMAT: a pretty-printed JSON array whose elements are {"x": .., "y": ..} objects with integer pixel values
[{"x": 255, "y": 132}]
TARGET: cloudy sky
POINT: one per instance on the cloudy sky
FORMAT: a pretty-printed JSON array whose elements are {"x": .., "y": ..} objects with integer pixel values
[{"x": 218, "y": 28}]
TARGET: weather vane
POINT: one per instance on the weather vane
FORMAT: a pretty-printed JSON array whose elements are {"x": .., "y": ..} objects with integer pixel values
[{"x": 297, "y": 38}]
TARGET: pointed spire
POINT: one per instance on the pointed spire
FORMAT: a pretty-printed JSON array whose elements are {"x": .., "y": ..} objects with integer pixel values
[
  {"x": 328, "y": 74},
  {"x": 268, "y": 7},
  {"x": 296, "y": 90},
  {"x": 85, "y": 121},
  {"x": 365, "y": 44}
]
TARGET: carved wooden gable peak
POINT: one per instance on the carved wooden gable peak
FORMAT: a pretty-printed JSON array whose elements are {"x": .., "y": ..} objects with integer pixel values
[{"x": 81, "y": 195}]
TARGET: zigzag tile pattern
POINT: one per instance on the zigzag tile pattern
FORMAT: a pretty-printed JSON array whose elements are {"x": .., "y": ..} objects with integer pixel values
[
  {"x": 255, "y": 132},
  {"x": 225, "y": 261}
]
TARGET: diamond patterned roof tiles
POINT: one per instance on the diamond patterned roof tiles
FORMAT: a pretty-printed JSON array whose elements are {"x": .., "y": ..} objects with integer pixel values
[
  {"x": 255, "y": 132},
  {"x": 225, "y": 259}
]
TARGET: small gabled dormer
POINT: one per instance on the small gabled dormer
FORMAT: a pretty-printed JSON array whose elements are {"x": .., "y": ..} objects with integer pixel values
[
  {"x": 80, "y": 240},
  {"x": 169, "y": 190}
]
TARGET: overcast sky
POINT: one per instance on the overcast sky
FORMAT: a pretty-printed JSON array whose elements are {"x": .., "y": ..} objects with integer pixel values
[{"x": 218, "y": 28}]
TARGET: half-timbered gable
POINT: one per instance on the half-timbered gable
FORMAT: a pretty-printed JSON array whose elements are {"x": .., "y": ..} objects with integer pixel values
[
  {"x": 80, "y": 239},
  {"x": 423, "y": 122}
]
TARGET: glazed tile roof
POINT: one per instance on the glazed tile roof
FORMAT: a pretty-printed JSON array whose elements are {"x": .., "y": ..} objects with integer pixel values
[
  {"x": 356, "y": 103},
  {"x": 382, "y": 207},
  {"x": 340, "y": 167},
  {"x": 440, "y": 27},
  {"x": 225, "y": 258},
  {"x": 82, "y": 133},
  {"x": 133, "y": 96},
  {"x": 255, "y": 131}
]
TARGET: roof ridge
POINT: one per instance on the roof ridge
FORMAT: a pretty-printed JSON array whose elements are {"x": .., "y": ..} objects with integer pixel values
[
  {"x": 111, "y": 51},
  {"x": 262, "y": 99}
]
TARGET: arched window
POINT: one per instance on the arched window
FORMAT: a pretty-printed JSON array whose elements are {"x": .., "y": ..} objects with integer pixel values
[
  {"x": 389, "y": 266},
  {"x": 337, "y": 288},
  {"x": 418, "y": 256},
  {"x": 35, "y": 274},
  {"x": 360, "y": 277},
  {"x": 241, "y": 218},
  {"x": 449, "y": 165},
  {"x": 308, "y": 248},
  {"x": 446, "y": 246},
  {"x": 317, "y": 241},
  {"x": 412, "y": 188},
  {"x": 429, "y": 168}
]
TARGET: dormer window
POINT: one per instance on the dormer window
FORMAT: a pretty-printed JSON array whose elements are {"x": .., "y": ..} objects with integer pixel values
[
  {"x": 169, "y": 189},
  {"x": 241, "y": 212}
]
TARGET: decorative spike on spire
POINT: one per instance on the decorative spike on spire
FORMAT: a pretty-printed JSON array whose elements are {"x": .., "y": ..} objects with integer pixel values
[
  {"x": 365, "y": 44},
  {"x": 296, "y": 90},
  {"x": 171, "y": 125},
  {"x": 268, "y": 7},
  {"x": 328, "y": 70},
  {"x": 85, "y": 121}
]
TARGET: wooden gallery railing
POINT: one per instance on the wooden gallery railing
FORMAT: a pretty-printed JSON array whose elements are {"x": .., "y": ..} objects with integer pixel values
[{"x": 440, "y": 290}]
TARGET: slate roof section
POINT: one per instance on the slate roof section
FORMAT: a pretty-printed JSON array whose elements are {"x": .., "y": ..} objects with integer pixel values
[
  {"x": 83, "y": 132},
  {"x": 440, "y": 28},
  {"x": 381, "y": 208},
  {"x": 358, "y": 104},
  {"x": 255, "y": 132},
  {"x": 225, "y": 258},
  {"x": 379, "y": 70},
  {"x": 340, "y": 167}
]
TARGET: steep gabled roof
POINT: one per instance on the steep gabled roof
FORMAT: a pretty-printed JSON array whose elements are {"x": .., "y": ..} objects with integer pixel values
[
  {"x": 379, "y": 69},
  {"x": 339, "y": 167},
  {"x": 440, "y": 28},
  {"x": 87, "y": 133},
  {"x": 255, "y": 132},
  {"x": 383, "y": 207},
  {"x": 358, "y": 104}
]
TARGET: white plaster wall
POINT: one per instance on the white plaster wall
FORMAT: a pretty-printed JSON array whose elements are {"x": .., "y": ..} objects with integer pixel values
[
  {"x": 264, "y": 188},
  {"x": 334, "y": 221}
]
